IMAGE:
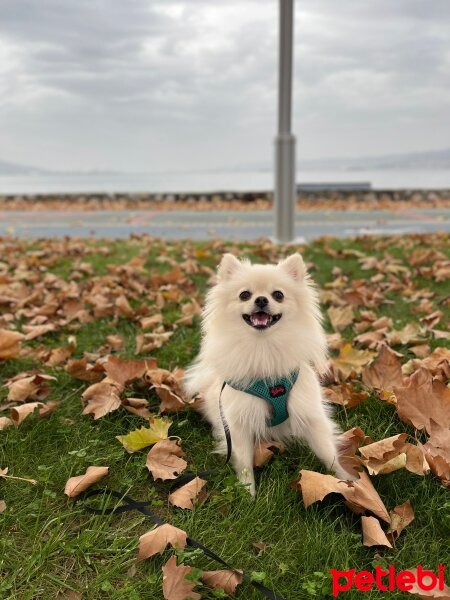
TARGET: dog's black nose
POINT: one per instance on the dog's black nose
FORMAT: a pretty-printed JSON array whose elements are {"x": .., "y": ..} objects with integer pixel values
[{"x": 261, "y": 302}]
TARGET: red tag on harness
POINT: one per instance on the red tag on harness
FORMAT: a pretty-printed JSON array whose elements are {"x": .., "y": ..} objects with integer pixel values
[{"x": 277, "y": 390}]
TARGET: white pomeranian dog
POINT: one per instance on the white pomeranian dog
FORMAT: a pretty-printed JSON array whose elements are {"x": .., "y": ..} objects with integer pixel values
[{"x": 262, "y": 335}]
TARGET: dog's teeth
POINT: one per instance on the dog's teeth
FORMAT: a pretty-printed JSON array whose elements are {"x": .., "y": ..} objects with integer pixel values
[{"x": 260, "y": 319}]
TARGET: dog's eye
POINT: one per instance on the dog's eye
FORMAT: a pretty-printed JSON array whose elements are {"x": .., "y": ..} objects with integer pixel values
[
  {"x": 245, "y": 295},
  {"x": 278, "y": 296}
]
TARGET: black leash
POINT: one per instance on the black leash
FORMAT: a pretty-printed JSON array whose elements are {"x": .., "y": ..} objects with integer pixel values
[{"x": 132, "y": 504}]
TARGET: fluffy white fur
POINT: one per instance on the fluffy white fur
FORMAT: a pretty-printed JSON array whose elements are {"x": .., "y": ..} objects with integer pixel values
[{"x": 234, "y": 351}]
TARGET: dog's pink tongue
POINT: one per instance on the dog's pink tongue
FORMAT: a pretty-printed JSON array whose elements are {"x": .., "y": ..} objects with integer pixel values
[{"x": 260, "y": 318}]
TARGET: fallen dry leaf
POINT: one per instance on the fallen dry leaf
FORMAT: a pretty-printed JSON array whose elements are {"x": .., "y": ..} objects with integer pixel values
[
  {"x": 349, "y": 442},
  {"x": 34, "y": 331},
  {"x": 412, "y": 333},
  {"x": 81, "y": 369},
  {"x": 437, "y": 452},
  {"x": 28, "y": 387},
  {"x": 102, "y": 398},
  {"x": 189, "y": 494},
  {"x": 443, "y": 594},
  {"x": 351, "y": 359},
  {"x": 421, "y": 400},
  {"x": 164, "y": 460},
  {"x": 341, "y": 316},
  {"x": 360, "y": 495},
  {"x": 263, "y": 452},
  {"x": 2, "y": 506},
  {"x": 315, "y": 486},
  {"x": 385, "y": 371},
  {"x": 10, "y": 344},
  {"x": 124, "y": 371},
  {"x": 377, "y": 456},
  {"x": 137, "y": 406},
  {"x": 5, "y": 422},
  {"x": 19, "y": 413},
  {"x": 344, "y": 395},
  {"x": 373, "y": 535},
  {"x": 225, "y": 579},
  {"x": 175, "y": 584},
  {"x": 157, "y": 539},
  {"x": 76, "y": 485},
  {"x": 363, "y": 496},
  {"x": 145, "y": 436},
  {"x": 170, "y": 401},
  {"x": 401, "y": 516}
]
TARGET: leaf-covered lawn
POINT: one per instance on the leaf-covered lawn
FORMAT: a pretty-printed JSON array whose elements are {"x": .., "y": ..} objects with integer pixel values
[{"x": 75, "y": 303}]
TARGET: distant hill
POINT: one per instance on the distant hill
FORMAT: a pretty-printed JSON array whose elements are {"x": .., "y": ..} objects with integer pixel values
[
  {"x": 8, "y": 168},
  {"x": 434, "y": 159}
]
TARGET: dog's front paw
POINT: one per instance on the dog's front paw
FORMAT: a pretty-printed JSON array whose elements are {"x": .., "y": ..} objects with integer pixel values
[{"x": 247, "y": 478}]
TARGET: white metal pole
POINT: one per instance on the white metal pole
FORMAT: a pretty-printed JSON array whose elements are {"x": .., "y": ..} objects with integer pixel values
[{"x": 285, "y": 187}]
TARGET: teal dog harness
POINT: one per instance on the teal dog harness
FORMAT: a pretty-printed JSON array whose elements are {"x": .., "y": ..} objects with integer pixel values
[{"x": 275, "y": 392}]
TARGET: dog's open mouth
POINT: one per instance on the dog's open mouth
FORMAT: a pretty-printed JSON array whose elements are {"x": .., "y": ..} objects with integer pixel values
[{"x": 261, "y": 319}]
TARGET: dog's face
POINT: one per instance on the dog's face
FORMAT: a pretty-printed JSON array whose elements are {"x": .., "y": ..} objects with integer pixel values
[{"x": 258, "y": 297}]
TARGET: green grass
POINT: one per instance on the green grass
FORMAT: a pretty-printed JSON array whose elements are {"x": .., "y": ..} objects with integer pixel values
[{"x": 48, "y": 545}]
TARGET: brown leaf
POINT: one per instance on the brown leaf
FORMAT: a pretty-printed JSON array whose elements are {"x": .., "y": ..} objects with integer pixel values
[
  {"x": 410, "y": 334},
  {"x": 437, "y": 452},
  {"x": 384, "y": 372},
  {"x": 34, "y": 331},
  {"x": 81, "y": 369},
  {"x": 157, "y": 539},
  {"x": 9, "y": 344},
  {"x": 124, "y": 371},
  {"x": 226, "y": 579},
  {"x": 170, "y": 401},
  {"x": 349, "y": 442},
  {"x": 2, "y": 506},
  {"x": 351, "y": 359},
  {"x": 421, "y": 350},
  {"x": 315, "y": 486},
  {"x": 5, "y": 422},
  {"x": 378, "y": 457},
  {"x": 164, "y": 460},
  {"x": 123, "y": 307},
  {"x": 29, "y": 387},
  {"x": 362, "y": 496},
  {"x": 401, "y": 516},
  {"x": 263, "y": 452},
  {"x": 149, "y": 322},
  {"x": 137, "y": 406},
  {"x": 101, "y": 398},
  {"x": 115, "y": 341},
  {"x": 340, "y": 317},
  {"x": 373, "y": 535},
  {"x": 76, "y": 485},
  {"x": 422, "y": 400},
  {"x": 175, "y": 584},
  {"x": 443, "y": 594},
  {"x": 344, "y": 395},
  {"x": 189, "y": 494},
  {"x": 19, "y": 413}
]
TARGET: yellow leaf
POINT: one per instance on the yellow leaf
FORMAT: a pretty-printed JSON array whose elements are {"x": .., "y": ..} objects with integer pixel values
[{"x": 146, "y": 436}]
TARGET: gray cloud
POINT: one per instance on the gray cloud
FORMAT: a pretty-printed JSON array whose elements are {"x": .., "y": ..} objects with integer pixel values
[{"x": 154, "y": 85}]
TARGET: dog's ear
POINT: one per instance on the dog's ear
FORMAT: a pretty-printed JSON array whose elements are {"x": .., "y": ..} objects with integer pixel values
[
  {"x": 228, "y": 266},
  {"x": 294, "y": 266}
]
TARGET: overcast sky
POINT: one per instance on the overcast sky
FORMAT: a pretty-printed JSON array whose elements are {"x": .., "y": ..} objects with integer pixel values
[{"x": 161, "y": 85}]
